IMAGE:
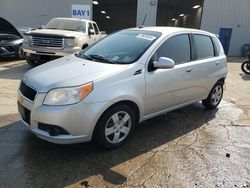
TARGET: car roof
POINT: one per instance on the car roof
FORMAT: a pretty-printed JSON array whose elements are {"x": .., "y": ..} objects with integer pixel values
[{"x": 171, "y": 30}]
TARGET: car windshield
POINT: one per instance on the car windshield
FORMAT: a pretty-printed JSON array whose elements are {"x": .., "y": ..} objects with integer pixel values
[
  {"x": 123, "y": 47},
  {"x": 64, "y": 24}
]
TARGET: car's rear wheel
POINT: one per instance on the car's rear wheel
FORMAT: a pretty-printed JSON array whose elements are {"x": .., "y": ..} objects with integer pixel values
[
  {"x": 214, "y": 97},
  {"x": 115, "y": 126}
]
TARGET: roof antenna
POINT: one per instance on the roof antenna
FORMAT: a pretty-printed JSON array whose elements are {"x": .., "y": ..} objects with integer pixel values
[{"x": 143, "y": 21}]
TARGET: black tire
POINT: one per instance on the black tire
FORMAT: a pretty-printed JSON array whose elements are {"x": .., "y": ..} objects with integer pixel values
[
  {"x": 20, "y": 52},
  {"x": 32, "y": 62},
  {"x": 214, "y": 97},
  {"x": 84, "y": 46},
  {"x": 105, "y": 123},
  {"x": 245, "y": 67}
]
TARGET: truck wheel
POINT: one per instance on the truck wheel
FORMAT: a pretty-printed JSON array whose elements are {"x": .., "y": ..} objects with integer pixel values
[
  {"x": 115, "y": 127},
  {"x": 32, "y": 62},
  {"x": 214, "y": 96}
]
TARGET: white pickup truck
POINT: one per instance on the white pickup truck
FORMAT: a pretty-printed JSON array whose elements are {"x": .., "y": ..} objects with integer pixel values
[{"x": 60, "y": 37}]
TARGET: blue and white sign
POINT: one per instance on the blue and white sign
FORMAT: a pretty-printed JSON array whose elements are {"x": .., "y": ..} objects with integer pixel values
[{"x": 81, "y": 11}]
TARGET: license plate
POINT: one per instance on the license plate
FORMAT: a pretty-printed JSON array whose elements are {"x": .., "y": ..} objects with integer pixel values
[
  {"x": 21, "y": 110},
  {"x": 22, "y": 101}
]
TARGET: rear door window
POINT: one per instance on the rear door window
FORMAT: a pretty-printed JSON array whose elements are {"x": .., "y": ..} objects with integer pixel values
[
  {"x": 204, "y": 46},
  {"x": 176, "y": 48}
]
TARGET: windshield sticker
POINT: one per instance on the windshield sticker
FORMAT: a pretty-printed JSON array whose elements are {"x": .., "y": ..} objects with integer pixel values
[
  {"x": 146, "y": 37},
  {"x": 115, "y": 58}
]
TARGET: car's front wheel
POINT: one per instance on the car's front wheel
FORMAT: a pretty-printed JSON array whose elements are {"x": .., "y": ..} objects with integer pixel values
[
  {"x": 214, "y": 96},
  {"x": 19, "y": 52},
  {"x": 115, "y": 126}
]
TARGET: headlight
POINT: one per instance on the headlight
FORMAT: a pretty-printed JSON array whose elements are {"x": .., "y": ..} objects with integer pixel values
[
  {"x": 27, "y": 39},
  {"x": 66, "y": 96},
  {"x": 69, "y": 43},
  {"x": 4, "y": 41}
]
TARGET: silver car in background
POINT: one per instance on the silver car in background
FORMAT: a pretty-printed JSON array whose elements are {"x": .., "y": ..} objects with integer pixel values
[{"x": 103, "y": 92}]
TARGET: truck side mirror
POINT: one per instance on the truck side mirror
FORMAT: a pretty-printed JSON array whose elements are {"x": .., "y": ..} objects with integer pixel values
[{"x": 91, "y": 32}]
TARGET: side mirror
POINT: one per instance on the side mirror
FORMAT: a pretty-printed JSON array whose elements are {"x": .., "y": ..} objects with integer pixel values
[
  {"x": 91, "y": 32},
  {"x": 164, "y": 63},
  {"x": 41, "y": 27}
]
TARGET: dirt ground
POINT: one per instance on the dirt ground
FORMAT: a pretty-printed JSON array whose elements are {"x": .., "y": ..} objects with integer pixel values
[{"x": 189, "y": 147}]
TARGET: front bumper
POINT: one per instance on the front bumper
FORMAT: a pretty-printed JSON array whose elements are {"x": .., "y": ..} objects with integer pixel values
[
  {"x": 8, "y": 51},
  {"x": 43, "y": 55},
  {"x": 77, "y": 120},
  {"x": 50, "y": 51}
]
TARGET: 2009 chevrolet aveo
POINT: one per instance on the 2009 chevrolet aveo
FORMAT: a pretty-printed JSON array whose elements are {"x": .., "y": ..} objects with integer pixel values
[{"x": 103, "y": 92}]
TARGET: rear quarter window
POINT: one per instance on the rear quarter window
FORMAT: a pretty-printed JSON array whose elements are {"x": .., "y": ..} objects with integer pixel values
[
  {"x": 216, "y": 46},
  {"x": 204, "y": 46}
]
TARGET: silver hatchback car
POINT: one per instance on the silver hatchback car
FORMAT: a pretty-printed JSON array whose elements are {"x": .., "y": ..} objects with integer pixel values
[{"x": 103, "y": 92}]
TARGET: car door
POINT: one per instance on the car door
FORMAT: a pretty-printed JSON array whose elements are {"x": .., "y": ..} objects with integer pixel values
[
  {"x": 209, "y": 60},
  {"x": 167, "y": 88}
]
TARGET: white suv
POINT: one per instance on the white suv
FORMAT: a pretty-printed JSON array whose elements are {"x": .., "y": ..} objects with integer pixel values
[{"x": 103, "y": 92}]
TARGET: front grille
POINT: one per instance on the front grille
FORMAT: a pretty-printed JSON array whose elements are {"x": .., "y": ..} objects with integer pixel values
[
  {"x": 27, "y": 91},
  {"x": 24, "y": 112},
  {"x": 47, "y": 42}
]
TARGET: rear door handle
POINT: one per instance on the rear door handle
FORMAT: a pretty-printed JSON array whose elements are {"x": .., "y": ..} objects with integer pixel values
[
  {"x": 217, "y": 63},
  {"x": 189, "y": 69}
]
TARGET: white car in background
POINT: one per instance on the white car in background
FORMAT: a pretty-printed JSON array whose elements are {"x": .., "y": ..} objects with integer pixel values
[
  {"x": 103, "y": 92},
  {"x": 60, "y": 37}
]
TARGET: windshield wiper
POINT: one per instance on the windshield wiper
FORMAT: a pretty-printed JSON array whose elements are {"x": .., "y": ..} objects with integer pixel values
[
  {"x": 82, "y": 55},
  {"x": 102, "y": 58}
]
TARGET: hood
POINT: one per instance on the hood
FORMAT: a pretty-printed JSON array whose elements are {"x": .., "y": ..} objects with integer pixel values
[
  {"x": 8, "y": 37},
  {"x": 57, "y": 32},
  {"x": 8, "y": 28},
  {"x": 68, "y": 71}
]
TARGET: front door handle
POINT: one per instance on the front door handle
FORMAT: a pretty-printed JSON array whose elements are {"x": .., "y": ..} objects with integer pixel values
[{"x": 189, "y": 69}]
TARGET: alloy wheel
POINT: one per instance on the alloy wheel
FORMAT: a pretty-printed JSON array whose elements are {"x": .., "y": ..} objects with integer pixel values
[
  {"x": 118, "y": 127},
  {"x": 216, "y": 95}
]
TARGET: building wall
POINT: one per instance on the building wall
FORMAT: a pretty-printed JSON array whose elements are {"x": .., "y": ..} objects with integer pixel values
[
  {"x": 33, "y": 13},
  {"x": 233, "y": 14},
  {"x": 146, "y": 9}
]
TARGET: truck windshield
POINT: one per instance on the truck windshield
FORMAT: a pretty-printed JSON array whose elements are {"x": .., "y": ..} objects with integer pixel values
[
  {"x": 64, "y": 24},
  {"x": 123, "y": 47}
]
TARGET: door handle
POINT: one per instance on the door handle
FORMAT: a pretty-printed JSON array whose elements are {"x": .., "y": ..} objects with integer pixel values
[
  {"x": 189, "y": 69},
  {"x": 217, "y": 63}
]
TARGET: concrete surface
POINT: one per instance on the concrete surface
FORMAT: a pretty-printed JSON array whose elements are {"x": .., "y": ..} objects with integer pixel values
[{"x": 190, "y": 147}]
